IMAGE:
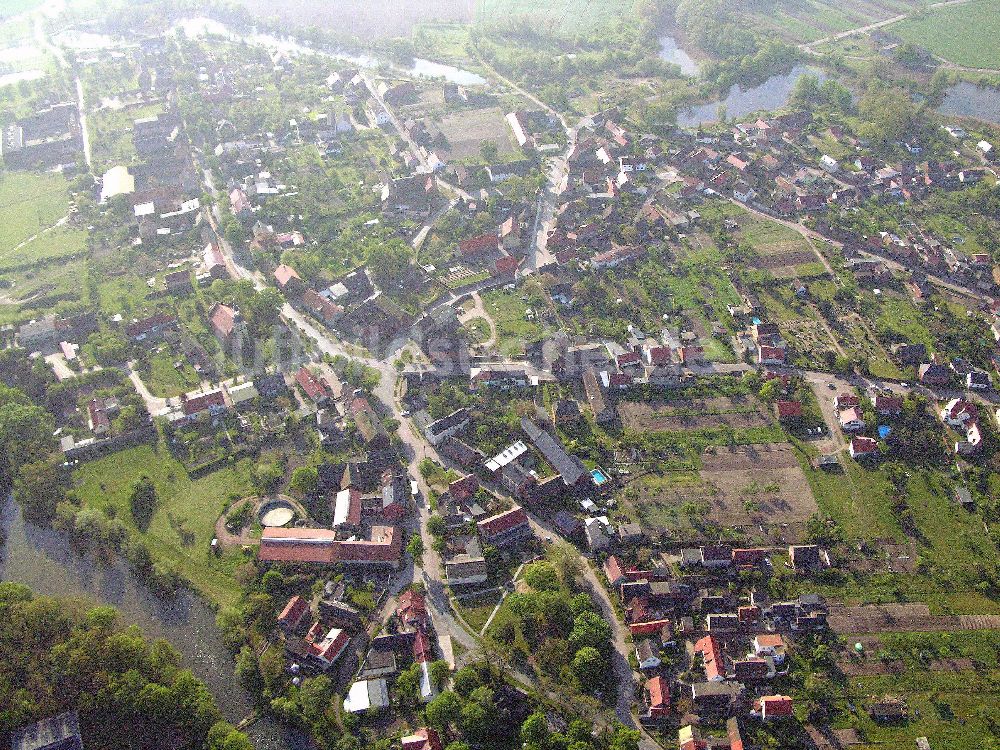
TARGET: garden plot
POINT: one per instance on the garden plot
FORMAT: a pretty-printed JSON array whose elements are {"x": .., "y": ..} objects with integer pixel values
[
  {"x": 743, "y": 487},
  {"x": 671, "y": 416}
]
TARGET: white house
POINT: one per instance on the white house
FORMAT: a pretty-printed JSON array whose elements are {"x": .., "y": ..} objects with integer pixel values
[{"x": 829, "y": 163}]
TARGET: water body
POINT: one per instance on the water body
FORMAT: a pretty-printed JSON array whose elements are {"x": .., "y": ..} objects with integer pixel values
[
  {"x": 968, "y": 100},
  {"x": 671, "y": 53},
  {"x": 773, "y": 94},
  {"x": 42, "y": 559},
  {"x": 422, "y": 68}
]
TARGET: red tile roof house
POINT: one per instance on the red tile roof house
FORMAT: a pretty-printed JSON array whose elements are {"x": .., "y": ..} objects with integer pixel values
[
  {"x": 212, "y": 402},
  {"x": 657, "y": 691},
  {"x": 314, "y": 388},
  {"x": 934, "y": 374},
  {"x": 326, "y": 649},
  {"x": 224, "y": 321},
  {"x": 478, "y": 245},
  {"x": 411, "y": 609},
  {"x": 288, "y": 280},
  {"x": 321, "y": 546},
  {"x": 888, "y": 406},
  {"x": 771, "y": 355},
  {"x": 749, "y": 556},
  {"x": 100, "y": 423},
  {"x": 293, "y": 613},
  {"x": 631, "y": 360},
  {"x": 846, "y": 401},
  {"x": 505, "y": 528},
  {"x": 659, "y": 355},
  {"x": 863, "y": 447},
  {"x": 321, "y": 307},
  {"x": 773, "y": 707},
  {"x": 711, "y": 657},
  {"x": 788, "y": 410},
  {"x": 424, "y": 738},
  {"x": 959, "y": 413}
]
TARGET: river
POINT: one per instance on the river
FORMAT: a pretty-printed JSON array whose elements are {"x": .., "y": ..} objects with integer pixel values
[
  {"x": 968, "y": 100},
  {"x": 773, "y": 94},
  {"x": 42, "y": 559},
  {"x": 194, "y": 27},
  {"x": 671, "y": 53}
]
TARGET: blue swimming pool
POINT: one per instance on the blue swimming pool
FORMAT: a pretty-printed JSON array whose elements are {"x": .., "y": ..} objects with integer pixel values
[
  {"x": 598, "y": 476},
  {"x": 757, "y": 321},
  {"x": 883, "y": 431}
]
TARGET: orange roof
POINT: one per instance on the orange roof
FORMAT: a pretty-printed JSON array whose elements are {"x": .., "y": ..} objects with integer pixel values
[
  {"x": 659, "y": 692},
  {"x": 708, "y": 647},
  {"x": 293, "y": 611},
  {"x": 284, "y": 274}
]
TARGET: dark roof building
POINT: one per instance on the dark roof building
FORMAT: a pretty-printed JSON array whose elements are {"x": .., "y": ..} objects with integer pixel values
[{"x": 61, "y": 732}]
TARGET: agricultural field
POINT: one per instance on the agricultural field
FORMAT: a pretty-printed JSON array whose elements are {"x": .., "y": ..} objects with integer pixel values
[
  {"x": 465, "y": 131},
  {"x": 957, "y": 33},
  {"x": 779, "y": 250},
  {"x": 557, "y": 17},
  {"x": 183, "y": 524},
  {"x": 380, "y": 19},
  {"x": 809, "y": 20}
]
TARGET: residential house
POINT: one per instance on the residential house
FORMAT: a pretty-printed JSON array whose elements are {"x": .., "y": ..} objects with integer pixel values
[
  {"x": 647, "y": 654},
  {"x": 508, "y": 527},
  {"x": 770, "y": 707},
  {"x": 657, "y": 694}
]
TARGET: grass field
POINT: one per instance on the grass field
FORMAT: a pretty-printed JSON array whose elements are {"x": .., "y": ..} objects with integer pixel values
[
  {"x": 509, "y": 313},
  {"x": 957, "y": 33},
  {"x": 165, "y": 380},
  {"x": 556, "y": 17},
  {"x": 186, "y": 507},
  {"x": 28, "y": 203}
]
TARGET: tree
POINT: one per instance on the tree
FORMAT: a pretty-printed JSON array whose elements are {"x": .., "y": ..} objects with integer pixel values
[
  {"x": 488, "y": 150},
  {"x": 415, "y": 548},
  {"x": 439, "y": 671},
  {"x": 143, "y": 501},
  {"x": 305, "y": 480},
  {"x": 542, "y": 576},
  {"x": 589, "y": 667},
  {"x": 590, "y": 629},
  {"x": 39, "y": 489},
  {"x": 444, "y": 711},
  {"x": 535, "y": 729}
]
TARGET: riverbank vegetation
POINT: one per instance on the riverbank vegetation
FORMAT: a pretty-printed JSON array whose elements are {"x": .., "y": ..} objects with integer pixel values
[{"x": 57, "y": 655}]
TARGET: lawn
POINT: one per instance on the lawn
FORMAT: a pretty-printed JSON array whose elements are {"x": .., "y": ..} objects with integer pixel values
[
  {"x": 184, "y": 523},
  {"x": 476, "y": 611},
  {"x": 858, "y": 499},
  {"x": 36, "y": 291},
  {"x": 61, "y": 242},
  {"x": 957, "y": 33},
  {"x": 164, "y": 380},
  {"x": 29, "y": 202},
  {"x": 509, "y": 313},
  {"x": 556, "y": 17}
]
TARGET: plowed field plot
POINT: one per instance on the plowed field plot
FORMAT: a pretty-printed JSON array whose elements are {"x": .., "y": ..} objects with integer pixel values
[
  {"x": 746, "y": 486},
  {"x": 671, "y": 416}
]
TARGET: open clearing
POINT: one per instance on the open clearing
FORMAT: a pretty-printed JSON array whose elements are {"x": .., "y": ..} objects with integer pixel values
[
  {"x": 28, "y": 204},
  {"x": 184, "y": 522},
  {"x": 957, "y": 33},
  {"x": 663, "y": 416},
  {"x": 465, "y": 131}
]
